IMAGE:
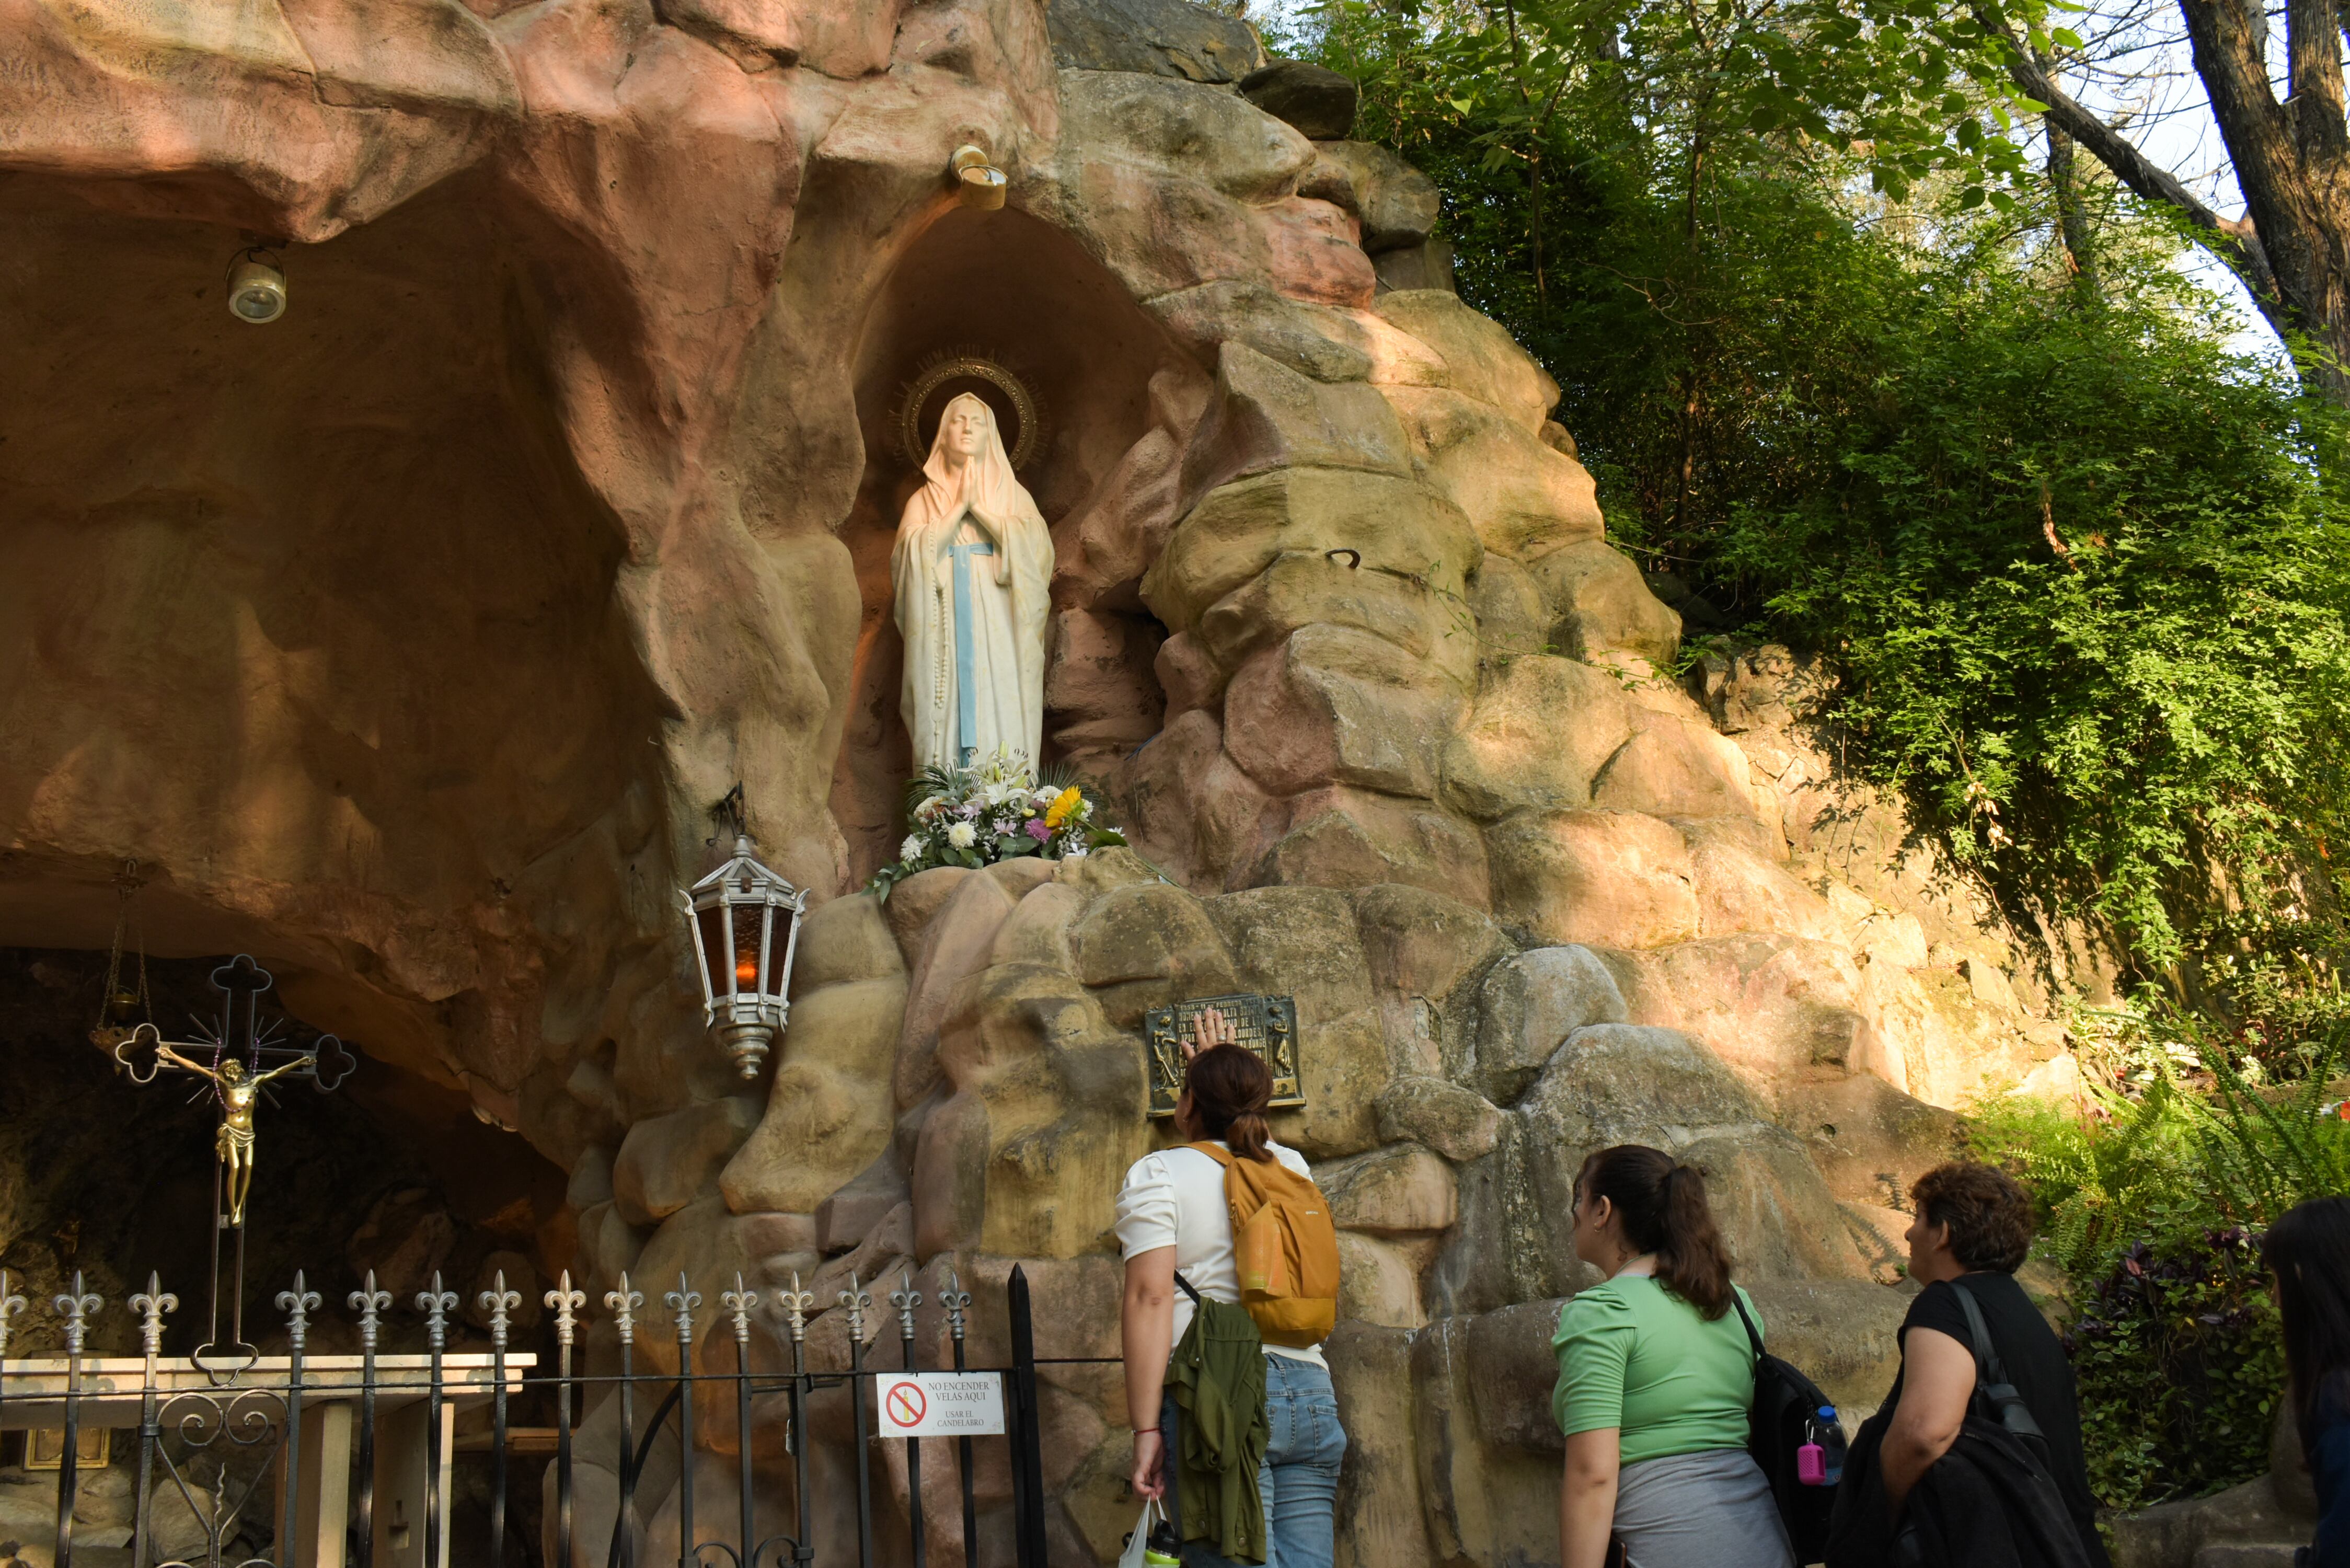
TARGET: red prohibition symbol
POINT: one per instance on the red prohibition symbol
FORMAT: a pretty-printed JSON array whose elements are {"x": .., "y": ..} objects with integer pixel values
[{"x": 906, "y": 1404}]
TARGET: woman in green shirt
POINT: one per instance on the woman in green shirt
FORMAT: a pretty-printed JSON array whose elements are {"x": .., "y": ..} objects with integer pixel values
[{"x": 1655, "y": 1377}]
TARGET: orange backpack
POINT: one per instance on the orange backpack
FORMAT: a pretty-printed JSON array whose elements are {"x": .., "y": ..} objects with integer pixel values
[{"x": 1284, "y": 1249}]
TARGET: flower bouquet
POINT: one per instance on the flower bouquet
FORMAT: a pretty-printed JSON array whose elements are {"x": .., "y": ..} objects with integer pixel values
[{"x": 995, "y": 809}]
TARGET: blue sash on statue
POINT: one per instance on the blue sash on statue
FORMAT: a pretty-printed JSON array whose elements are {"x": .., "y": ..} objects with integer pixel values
[{"x": 967, "y": 697}]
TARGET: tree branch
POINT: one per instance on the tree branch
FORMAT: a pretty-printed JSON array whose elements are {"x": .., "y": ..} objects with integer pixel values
[{"x": 2233, "y": 240}]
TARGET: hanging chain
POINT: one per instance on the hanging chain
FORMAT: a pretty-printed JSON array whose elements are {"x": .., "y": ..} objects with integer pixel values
[{"x": 127, "y": 883}]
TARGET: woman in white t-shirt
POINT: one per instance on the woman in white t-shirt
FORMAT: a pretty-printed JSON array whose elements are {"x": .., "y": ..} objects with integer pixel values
[{"x": 1172, "y": 1216}]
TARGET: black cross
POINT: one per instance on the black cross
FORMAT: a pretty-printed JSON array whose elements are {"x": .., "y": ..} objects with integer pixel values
[{"x": 327, "y": 1061}]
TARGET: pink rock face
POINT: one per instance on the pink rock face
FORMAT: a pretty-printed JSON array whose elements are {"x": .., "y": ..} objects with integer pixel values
[{"x": 408, "y": 641}]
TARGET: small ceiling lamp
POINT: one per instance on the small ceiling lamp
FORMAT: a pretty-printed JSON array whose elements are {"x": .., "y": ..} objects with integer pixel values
[
  {"x": 979, "y": 182},
  {"x": 745, "y": 922},
  {"x": 257, "y": 287}
]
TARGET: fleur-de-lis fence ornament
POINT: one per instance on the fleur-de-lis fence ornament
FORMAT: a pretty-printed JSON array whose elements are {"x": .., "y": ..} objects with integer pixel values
[
  {"x": 681, "y": 1301},
  {"x": 565, "y": 1303},
  {"x": 370, "y": 1304},
  {"x": 498, "y": 1301},
  {"x": 957, "y": 1300},
  {"x": 76, "y": 1306},
  {"x": 906, "y": 1300},
  {"x": 297, "y": 1304},
  {"x": 858, "y": 1301},
  {"x": 150, "y": 1304},
  {"x": 796, "y": 1304},
  {"x": 624, "y": 1304},
  {"x": 10, "y": 1305},
  {"x": 436, "y": 1304},
  {"x": 738, "y": 1303}
]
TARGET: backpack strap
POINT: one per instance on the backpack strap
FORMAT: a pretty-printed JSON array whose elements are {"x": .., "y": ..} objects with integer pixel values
[
  {"x": 1990, "y": 1373},
  {"x": 1754, "y": 1335},
  {"x": 1224, "y": 1159}
]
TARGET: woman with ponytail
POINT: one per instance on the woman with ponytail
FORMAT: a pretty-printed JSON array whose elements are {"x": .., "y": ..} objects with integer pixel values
[
  {"x": 1655, "y": 1372},
  {"x": 1173, "y": 1216}
]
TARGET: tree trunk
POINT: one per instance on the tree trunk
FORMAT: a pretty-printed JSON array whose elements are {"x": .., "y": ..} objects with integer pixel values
[
  {"x": 2289, "y": 162},
  {"x": 2292, "y": 160}
]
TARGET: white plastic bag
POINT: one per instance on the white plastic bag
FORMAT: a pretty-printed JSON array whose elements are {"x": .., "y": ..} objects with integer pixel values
[{"x": 1139, "y": 1541}]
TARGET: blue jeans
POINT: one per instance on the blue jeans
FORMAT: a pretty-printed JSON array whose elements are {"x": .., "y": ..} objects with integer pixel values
[{"x": 1300, "y": 1476}]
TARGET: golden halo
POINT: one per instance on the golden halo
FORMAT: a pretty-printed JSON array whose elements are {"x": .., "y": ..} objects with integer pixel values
[{"x": 942, "y": 381}]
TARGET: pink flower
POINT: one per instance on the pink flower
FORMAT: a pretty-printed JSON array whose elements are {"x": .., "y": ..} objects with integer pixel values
[{"x": 1037, "y": 830}]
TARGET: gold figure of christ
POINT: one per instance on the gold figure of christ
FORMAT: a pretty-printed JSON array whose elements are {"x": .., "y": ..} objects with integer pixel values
[{"x": 238, "y": 1094}]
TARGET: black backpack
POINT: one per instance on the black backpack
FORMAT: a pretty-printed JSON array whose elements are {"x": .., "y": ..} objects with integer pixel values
[{"x": 1784, "y": 1413}]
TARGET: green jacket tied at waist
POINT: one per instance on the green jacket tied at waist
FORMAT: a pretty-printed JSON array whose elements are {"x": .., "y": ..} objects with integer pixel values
[{"x": 1217, "y": 1377}]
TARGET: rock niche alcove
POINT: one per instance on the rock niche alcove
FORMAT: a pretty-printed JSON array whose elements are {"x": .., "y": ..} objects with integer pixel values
[{"x": 1117, "y": 398}]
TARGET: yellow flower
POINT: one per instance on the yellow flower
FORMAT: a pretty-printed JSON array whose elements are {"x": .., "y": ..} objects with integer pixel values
[{"x": 1063, "y": 805}]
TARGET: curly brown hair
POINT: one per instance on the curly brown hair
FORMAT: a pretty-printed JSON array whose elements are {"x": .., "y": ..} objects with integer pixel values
[{"x": 1987, "y": 1211}]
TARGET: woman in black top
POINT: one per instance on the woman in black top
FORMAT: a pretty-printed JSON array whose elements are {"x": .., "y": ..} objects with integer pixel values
[{"x": 1973, "y": 1223}]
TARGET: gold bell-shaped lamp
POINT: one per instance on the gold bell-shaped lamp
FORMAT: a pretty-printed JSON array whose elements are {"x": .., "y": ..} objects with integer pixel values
[
  {"x": 745, "y": 922},
  {"x": 978, "y": 183}
]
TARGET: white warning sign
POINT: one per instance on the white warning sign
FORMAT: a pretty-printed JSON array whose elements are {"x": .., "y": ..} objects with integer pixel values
[{"x": 941, "y": 1404}]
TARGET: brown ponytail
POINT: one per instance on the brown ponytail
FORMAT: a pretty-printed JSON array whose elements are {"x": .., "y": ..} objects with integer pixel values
[
  {"x": 1230, "y": 1089},
  {"x": 1662, "y": 1205}
]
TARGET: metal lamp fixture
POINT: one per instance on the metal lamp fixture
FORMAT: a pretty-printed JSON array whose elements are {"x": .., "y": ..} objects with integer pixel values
[
  {"x": 978, "y": 182},
  {"x": 745, "y": 922},
  {"x": 256, "y": 288}
]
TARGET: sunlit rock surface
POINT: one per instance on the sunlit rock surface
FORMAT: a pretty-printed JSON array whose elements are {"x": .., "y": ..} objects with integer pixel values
[{"x": 408, "y": 641}]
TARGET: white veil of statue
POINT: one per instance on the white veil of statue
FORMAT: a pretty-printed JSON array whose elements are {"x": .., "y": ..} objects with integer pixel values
[{"x": 973, "y": 568}]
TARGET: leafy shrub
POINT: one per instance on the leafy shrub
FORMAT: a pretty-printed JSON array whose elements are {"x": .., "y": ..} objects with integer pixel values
[
  {"x": 2151, "y": 1202},
  {"x": 2181, "y": 1366}
]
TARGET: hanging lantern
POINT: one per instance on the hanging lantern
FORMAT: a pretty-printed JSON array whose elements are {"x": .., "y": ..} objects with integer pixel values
[{"x": 745, "y": 922}]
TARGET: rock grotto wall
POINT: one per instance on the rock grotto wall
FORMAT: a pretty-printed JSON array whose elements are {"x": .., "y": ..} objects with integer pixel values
[{"x": 408, "y": 641}]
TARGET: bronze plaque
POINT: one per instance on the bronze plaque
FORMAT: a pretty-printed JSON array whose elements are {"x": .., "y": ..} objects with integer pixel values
[{"x": 1265, "y": 1024}]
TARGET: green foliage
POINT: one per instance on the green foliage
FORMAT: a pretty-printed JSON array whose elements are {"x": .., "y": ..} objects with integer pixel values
[
  {"x": 2088, "y": 596},
  {"x": 1909, "y": 87},
  {"x": 2192, "y": 1146},
  {"x": 2179, "y": 1366},
  {"x": 2150, "y": 1204},
  {"x": 2077, "y": 566},
  {"x": 2075, "y": 560}
]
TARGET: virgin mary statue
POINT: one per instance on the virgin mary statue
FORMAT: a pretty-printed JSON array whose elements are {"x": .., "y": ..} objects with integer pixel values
[{"x": 971, "y": 569}]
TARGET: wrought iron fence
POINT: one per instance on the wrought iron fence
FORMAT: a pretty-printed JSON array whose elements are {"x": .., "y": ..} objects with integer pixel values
[{"x": 212, "y": 1427}]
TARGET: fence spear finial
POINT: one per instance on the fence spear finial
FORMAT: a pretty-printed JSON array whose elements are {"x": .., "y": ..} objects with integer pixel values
[
  {"x": 956, "y": 1300},
  {"x": 10, "y": 1306},
  {"x": 566, "y": 1301},
  {"x": 150, "y": 1304},
  {"x": 858, "y": 1301},
  {"x": 681, "y": 1301},
  {"x": 370, "y": 1304},
  {"x": 795, "y": 1302},
  {"x": 297, "y": 1304},
  {"x": 738, "y": 1303},
  {"x": 624, "y": 1304},
  {"x": 75, "y": 1307},
  {"x": 498, "y": 1300}
]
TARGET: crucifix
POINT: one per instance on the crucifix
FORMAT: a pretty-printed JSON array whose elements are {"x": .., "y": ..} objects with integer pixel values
[{"x": 236, "y": 1062}]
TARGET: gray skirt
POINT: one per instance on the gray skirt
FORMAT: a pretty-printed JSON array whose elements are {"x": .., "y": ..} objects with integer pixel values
[{"x": 1709, "y": 1510}]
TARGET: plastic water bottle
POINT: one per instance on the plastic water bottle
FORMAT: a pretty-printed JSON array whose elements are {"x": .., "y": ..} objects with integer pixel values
[{"x": 1830, "y": 1437}]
